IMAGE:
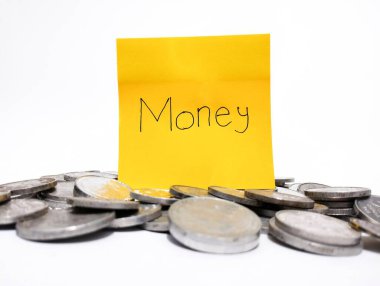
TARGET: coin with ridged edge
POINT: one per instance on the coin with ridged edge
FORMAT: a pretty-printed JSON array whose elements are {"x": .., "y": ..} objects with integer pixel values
[
  {"x": 369, "y": 227},
  {"x": 102, "y": 188},
  {"x": 144, "y": 214},
  {"x": 15, "y": 210},
  {"x": 181, "y": 192},
  {"x": 317, "y": 227},
  {"x": 233, "y": 195},
  {"x": 63, "y": 224},
  {"x": 154, "y": 196},
  {"x": 101, "y": 204},
  {"x": 29, "y": 187},
  {"x": 160, "y": 224},
  {"x": 72, "y": 176},
  {"x": 337, "y": 193},
  {"x": 369, "y": 209},
  {"x": 273, "y": 197},
  {"x": 214, "y": 225},
  {"x": 341, "y": 212},
  {"x": 311, "y": 246}
]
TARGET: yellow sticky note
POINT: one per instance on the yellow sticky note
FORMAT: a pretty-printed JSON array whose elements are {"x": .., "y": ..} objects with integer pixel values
[{"x": 195, "y": 111}]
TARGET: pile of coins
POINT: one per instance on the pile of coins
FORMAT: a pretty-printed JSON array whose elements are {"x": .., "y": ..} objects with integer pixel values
[{"x": 308, "y": 216}]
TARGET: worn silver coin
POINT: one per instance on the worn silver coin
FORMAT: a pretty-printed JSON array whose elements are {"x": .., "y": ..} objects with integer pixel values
[
  {"x": 369, "y": 227},
  {"x": 283, "y": 190},
  {"x": 317, "y": 227},
  {"x": 369, "y": 209},
  {"x": 181, "y": 192},
  {"x": 341, "y": 212},
  {"x": 102, "y": 188},
  {"x": 214, "y": 225},
  {"x": 337, "y": 193},
  {"x": 62, "y": 191},
  {"x": 27, "y": 187},
  {"x": 160, "y": 224},
  {"x": 280, "y": 182},
  {"x": 291, "y": 185},
  {"x": 153, "y": 196},
  {"x": 72, "y": 176},
  {"x": 306, "y": 186},
  {"x": 58, "y": 177},
  {"x": 144, "y": 214},
  {"x": 338, "y": 205},
  {"x": 15, "y": 210},
  {"x": 54, "y": 205},
  {"x": 311, "y": 246},
  {"x": 233, "y": 195},
  {"x": 5, "y": 195},
  {"x": 273, "y": 197},
  {"x": 101, "y": 204},
  {"x": 63, "y": 224}
]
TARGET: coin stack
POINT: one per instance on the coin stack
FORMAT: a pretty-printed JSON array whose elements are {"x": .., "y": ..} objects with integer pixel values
[{"x": 215, "y": 220}]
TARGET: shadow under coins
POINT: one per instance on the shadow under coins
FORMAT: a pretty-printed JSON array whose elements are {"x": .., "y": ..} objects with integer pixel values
[
  {"x": 80, "y": 239},
  {"x": 371, "y": 244}
]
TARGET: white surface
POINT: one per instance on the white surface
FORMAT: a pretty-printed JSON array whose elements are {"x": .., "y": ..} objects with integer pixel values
[{"x": 59, "y": 113}]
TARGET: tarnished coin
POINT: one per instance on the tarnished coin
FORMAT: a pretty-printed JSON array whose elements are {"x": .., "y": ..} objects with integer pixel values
[
  {"x": 58, "y": 177},
  {"x": 153, "y": 196},
  {"x": 306, "y": 186},
  {"x": 28, "y": 187},
  {"x": 318, "y": 208},
  {"x": 72, "y": 176},
  {"x": 233, "y": 195},
  {"x": 102, "y": 188},
  {"x": 144, "y": 214},
  {"x": 15, "y": 210},
  {"x": 369, "y": 227},
  {"x": 337, "y": 193},
  {"x": 369, "y": 209},
  {"x": 182, "y": 192},
  {"x": 273, "y": 197},
  {"x": 283, "y": 190},
  {"x": 338, "y": 205},
  {"x": 62, "y": 191},
  {"x": 62, "y": 224},
  {"x": 5, "y": 195},
  {"x": 101, "y": 204},
  {"x": 317, "y": 227},
  {"x": 280, "y": 182},
  {"x": 311, "y": 246},
  {"x": 54, "y": 205},
  {"x": 341, "y": 212},
  {"x": 160, "y": 224},
  {"x": 214, "y": 225}
]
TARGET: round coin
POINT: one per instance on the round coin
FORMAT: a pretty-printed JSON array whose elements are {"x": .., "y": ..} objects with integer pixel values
[
  {"x": 4, "y": 195},
  {"x": 337, "y": 193},
  {"x": 102, "y": 188},
  {"x": 280, "y": 182},
  {"x": 154, "y": 196},
  {"x": 317, "y": 227},
  {"x": 58, "y": 178},
  {"x": 15, "y": 210},
  {"x": 283, "y": 190},
  {"x": 233, "y": 195},
  {"x": 62, "y": 191},
  {"x": 62, "y": 224},
  {"x": 72, "y": 176},
  {"x": 101, "y": 204},
  {"x": 182, "y": 192},
  {"x": 144, "y": 214},
  {"x": 305, "y": 186},
  {"x": 214, "y": 225},
  {"x": 369, "y": 227},
  {"x": 311, "y": 246},
  {"x": 341, "y": 212},
  {"x": 369, "y": 209},
  {"x": 338, "y": 205},
  {"x": 273, "y": 197},
  {"x": 160, "y": 224},
  {"x": 24, "y": 188}
]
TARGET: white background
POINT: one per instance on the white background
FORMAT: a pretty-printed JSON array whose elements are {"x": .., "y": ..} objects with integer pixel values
[{"x": 59, "y": 113}]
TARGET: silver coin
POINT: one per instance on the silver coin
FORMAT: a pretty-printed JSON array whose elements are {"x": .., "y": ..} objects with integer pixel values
[
  {"x": 317, "y": 227},
  {"x": 153, "y": 196},
  {"x": 93, "y": 203},
  {"x": 306, "y": 186},
  {"x": 337, "y": 193},
  {"x": 29, "y": 186},
  {"x": 58, "y": 177},
  {"x": 15, "y": 210},
  {"x": 369, "y": 227},
  {"x": 369, "y": 209},
  {"x": 5, "y": 195},
  {"x": 72, "y": 176},
  {"x": 280, "y": 182},
  {"x": 338, "y": 205},
  {"x": 214, "y": 225},
  {"x": 291, "y": 185},
  {"x": 182, "y": 192},
  {"x": 341, "y": 212},
  {"x": 54, "y": 205},
  {"x": 62, "y": 191},
  {"x": 160, "y": 224},
  {"x": 273, "y": 197},
  {"x": 144, "y": 214},
  {"x": 233, "y": 195},
  {"x": 102, "y": 188},
  {"x": 283, "y": 190},
  {"x": 62, "y": 224},
  {"x": 311, "y": 246}
]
